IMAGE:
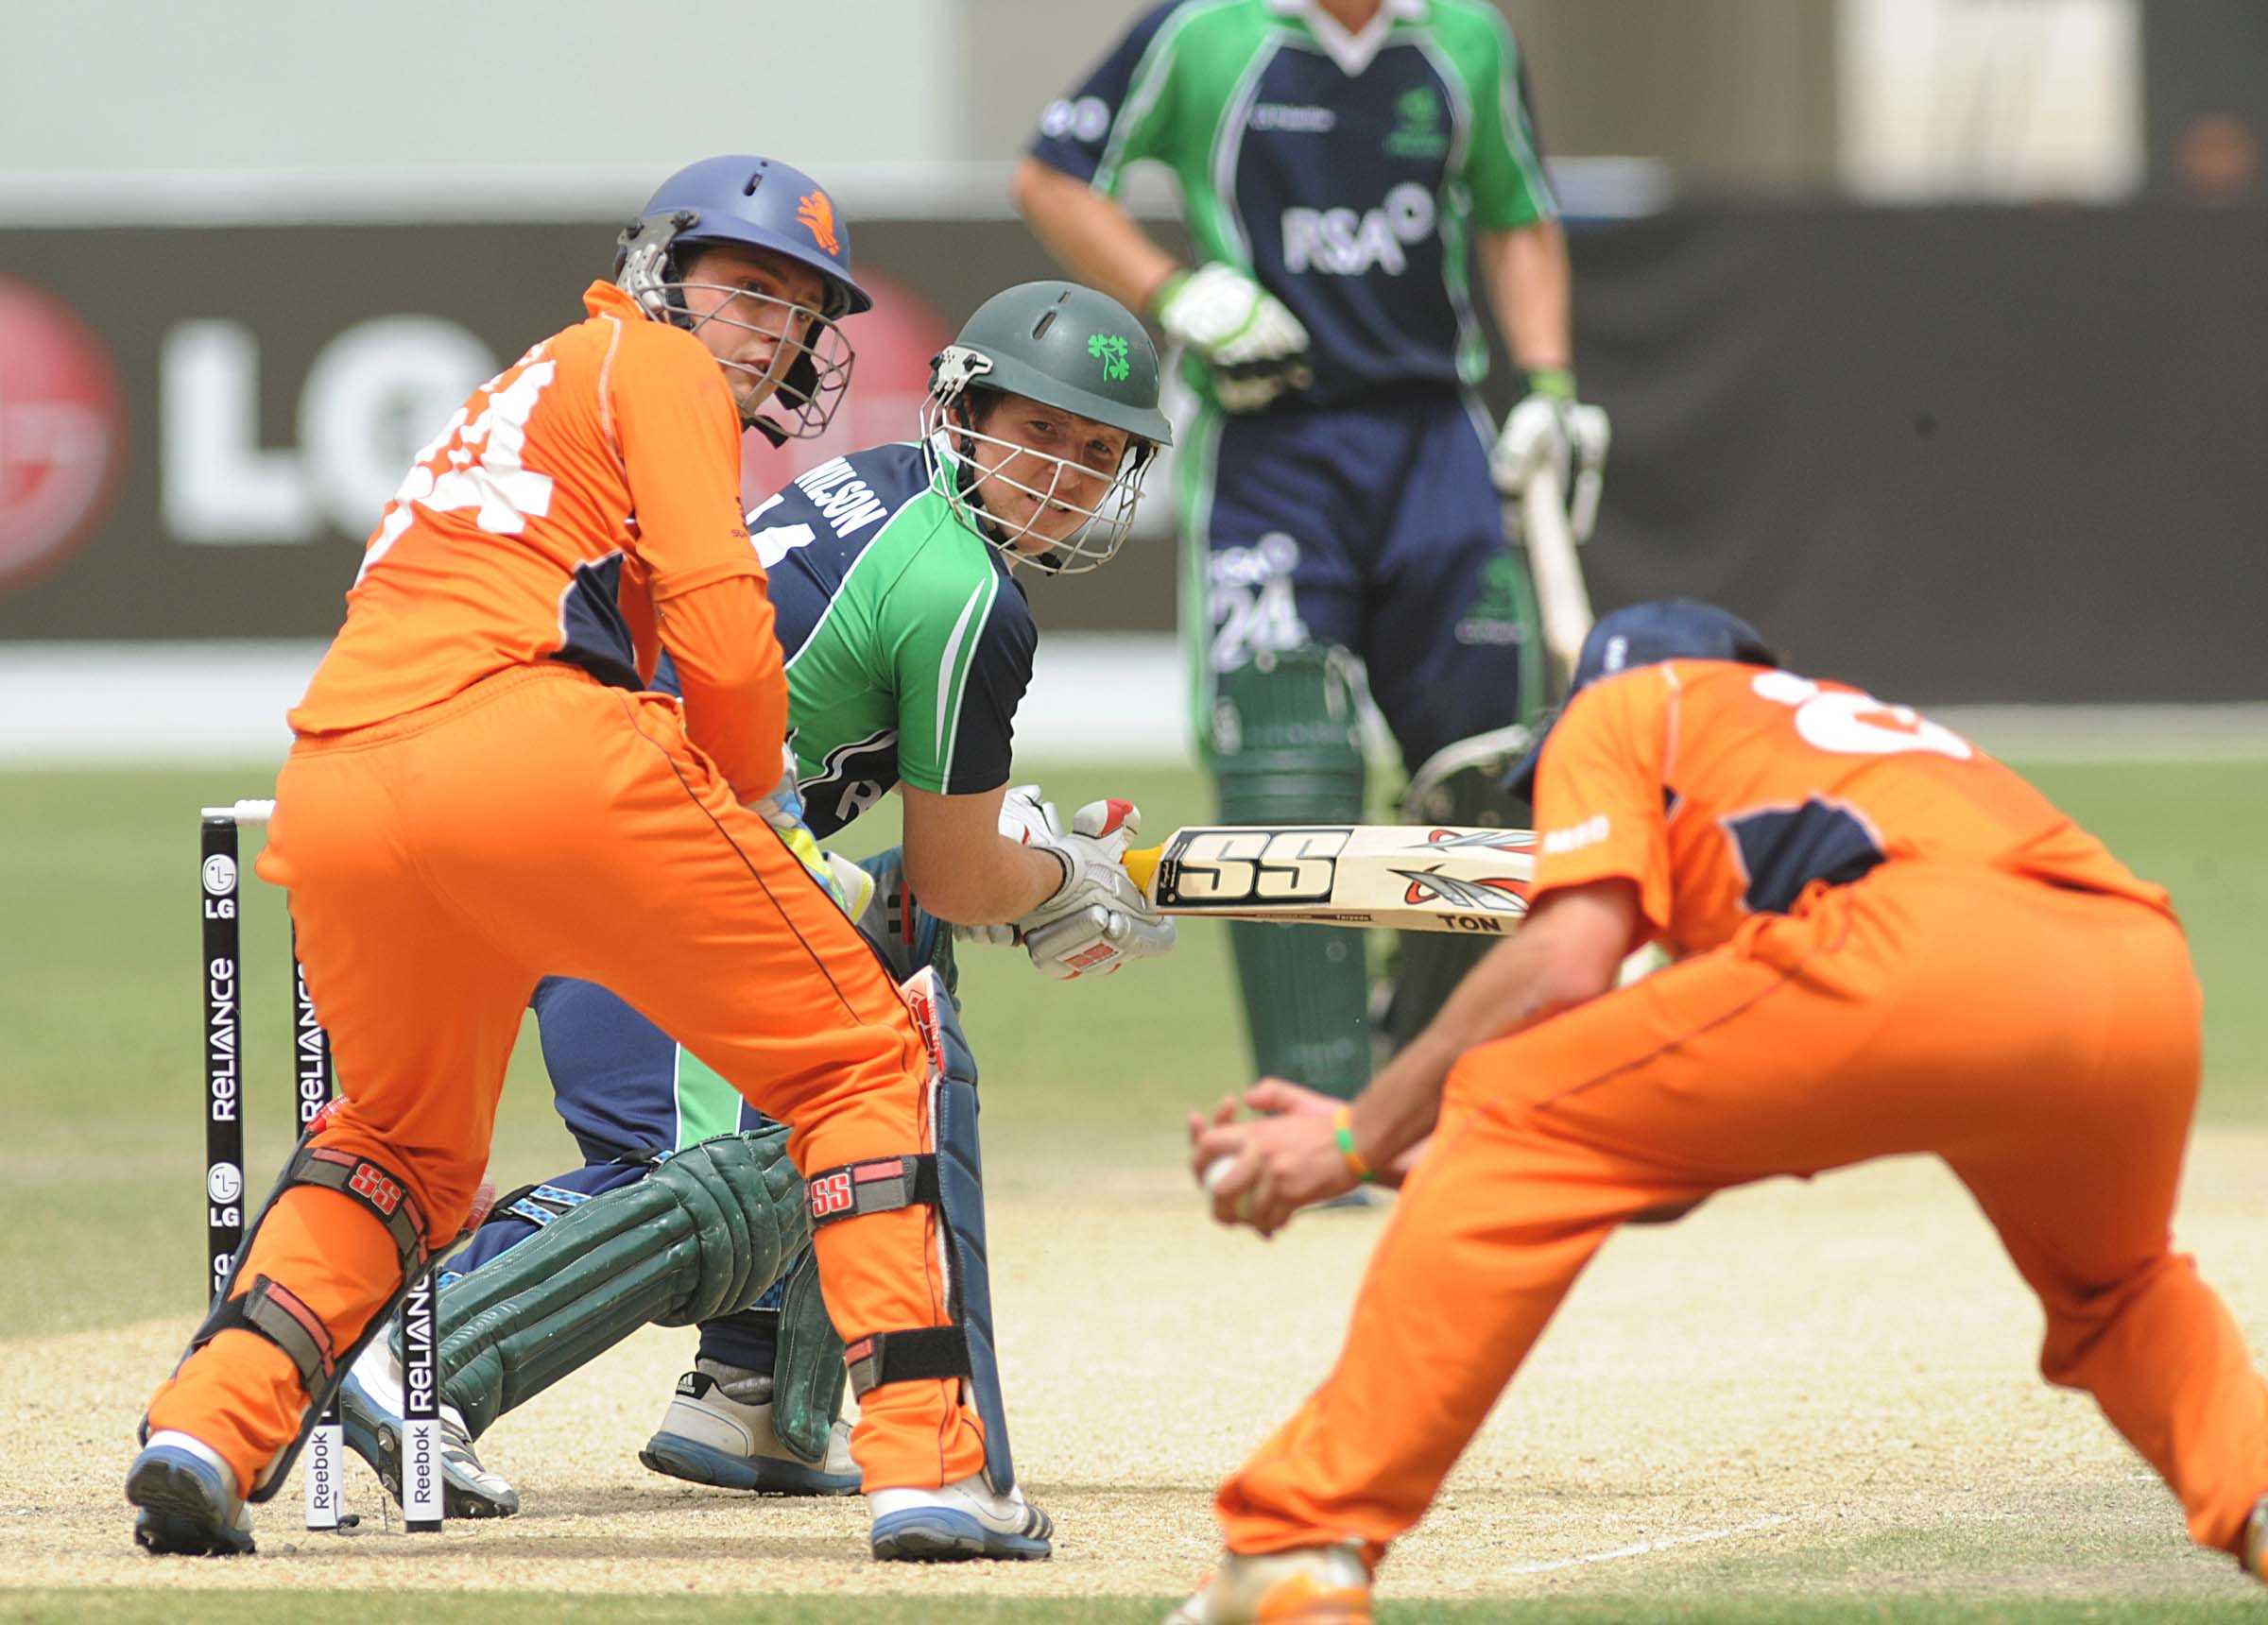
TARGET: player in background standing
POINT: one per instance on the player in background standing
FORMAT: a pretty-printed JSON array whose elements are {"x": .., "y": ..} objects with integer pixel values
[
  {"x": 484, "y": 791},
  {"x": 908, "y": 645},
  {"x": 1885, "y": 943},
  {"x": 1337, "y": 162}
]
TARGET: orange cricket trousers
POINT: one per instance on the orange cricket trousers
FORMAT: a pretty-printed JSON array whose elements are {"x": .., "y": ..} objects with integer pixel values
[
  {"x": 541, "y": 824},
  {"x": 2044, "y": 1042}
]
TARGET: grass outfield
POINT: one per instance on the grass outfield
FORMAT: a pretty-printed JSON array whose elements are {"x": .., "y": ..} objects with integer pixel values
[{"x": 99, "y": 1007}]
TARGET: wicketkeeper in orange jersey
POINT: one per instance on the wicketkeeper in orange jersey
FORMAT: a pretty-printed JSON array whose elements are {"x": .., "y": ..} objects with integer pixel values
[
  {"x": 484, "y": 791},
  {"x": 1884, "y": 942}
]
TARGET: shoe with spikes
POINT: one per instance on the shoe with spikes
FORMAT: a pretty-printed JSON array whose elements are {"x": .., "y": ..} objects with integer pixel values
[
  {"x": 188, "y": 1499},
  {"x": 1307, "y": 1585}
]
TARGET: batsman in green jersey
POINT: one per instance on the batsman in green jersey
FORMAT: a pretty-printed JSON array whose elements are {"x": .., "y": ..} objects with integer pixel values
[{"x": 908, "y": 645}]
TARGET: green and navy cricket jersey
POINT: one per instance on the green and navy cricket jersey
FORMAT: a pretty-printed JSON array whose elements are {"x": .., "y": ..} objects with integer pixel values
[
  {"x": 908, "y": 643},
  {"x": 1347, "y": 187}
]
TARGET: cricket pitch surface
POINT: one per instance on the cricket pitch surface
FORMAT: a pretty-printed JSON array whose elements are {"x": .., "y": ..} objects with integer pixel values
[{"x": 1801, "y": 1390}]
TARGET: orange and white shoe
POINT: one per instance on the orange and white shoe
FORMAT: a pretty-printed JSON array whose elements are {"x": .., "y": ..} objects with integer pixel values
[
  {"x": 1307, "y": 1585},
  {"x": 2256, "y": 1542}
]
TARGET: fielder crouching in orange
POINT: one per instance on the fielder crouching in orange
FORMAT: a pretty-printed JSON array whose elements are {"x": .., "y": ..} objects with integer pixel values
[
  {"x": 1885, "y": 943},
  {"x": 484, "y": 791}
]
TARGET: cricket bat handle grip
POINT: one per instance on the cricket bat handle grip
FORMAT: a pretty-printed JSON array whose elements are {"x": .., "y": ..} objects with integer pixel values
[{"x": 1141, "y": 864}]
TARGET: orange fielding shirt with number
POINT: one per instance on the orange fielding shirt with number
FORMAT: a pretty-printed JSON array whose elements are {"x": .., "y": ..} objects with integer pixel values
[
  {"x": 580, "y": 506},
  {"x": 1723, "y": 790}
]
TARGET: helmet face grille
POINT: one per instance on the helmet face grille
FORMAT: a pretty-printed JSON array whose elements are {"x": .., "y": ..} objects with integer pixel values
[
  {"x": 811, "y": 366},
  {"x": 949, "y": 445},
  {"x": 805, "y": 381}
]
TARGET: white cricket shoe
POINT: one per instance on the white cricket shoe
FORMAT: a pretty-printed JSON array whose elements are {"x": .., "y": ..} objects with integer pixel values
[
  {"x": 960, "y": 1520},
  {"x": 1307, "y": 1585},
  {"x": 718, "y": 1430},
  {"x": 370, "y": 1411},
  {"x": 2255, "y": 1541}
]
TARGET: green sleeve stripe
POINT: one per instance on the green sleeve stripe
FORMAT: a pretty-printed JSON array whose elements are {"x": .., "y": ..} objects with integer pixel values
[
  {"x": 1151, "y": 75},
  {"x": 1520, "y": 136},
  {"x": 1235, "y": 244},
  {"x": 1194, "y": 470},
  {"x": 954, "y": 670},
  {"x": 1460, "y": 103},
  {"x": 1456, "y": 212}
]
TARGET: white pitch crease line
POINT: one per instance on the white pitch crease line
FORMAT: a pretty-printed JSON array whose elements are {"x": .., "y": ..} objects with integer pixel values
[{"x": 1644, "y": 1546}]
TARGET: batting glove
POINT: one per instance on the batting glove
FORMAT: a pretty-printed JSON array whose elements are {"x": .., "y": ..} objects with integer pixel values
[
  {"x": 1551, "y": 429},
  {"x": 1097, "y": 919},
  {"x": 1255, "y": 346}
]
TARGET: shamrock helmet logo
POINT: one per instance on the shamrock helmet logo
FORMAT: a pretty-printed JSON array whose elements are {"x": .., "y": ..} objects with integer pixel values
[{"x": 1110, "y": 350}]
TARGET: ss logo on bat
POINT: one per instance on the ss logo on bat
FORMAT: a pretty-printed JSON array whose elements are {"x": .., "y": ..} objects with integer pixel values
[{"x": 1224, "y": 868}]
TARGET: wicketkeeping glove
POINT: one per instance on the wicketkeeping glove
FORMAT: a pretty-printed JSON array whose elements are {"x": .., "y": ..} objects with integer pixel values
[
  {"x": 1551, "y": 429},
  {"x": 1097, "y": 919},
  {"x": 851, "y": 886},
  {"x": 1256, "y": 347}
]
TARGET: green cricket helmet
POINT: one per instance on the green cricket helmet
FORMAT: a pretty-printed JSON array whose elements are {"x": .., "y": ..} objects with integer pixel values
[{"x": 1067, "y": 347}]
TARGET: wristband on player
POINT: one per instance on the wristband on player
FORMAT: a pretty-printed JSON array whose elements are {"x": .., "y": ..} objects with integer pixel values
[
  {"x": 1552, "y": 383},
  {"x": 1342, "y": 1124},
  {"x": 1164, "y": 294}
]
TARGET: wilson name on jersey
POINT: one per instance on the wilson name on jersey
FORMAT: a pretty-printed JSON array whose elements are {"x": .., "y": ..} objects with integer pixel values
[{"x": 908, "y": 643}]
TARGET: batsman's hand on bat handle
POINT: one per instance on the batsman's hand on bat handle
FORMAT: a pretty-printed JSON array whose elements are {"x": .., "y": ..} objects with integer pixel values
[
  {"x": 1255, "y": 346},
  {"x": 1551, "y": 430},
  {"x": 1098, "y": 919}
]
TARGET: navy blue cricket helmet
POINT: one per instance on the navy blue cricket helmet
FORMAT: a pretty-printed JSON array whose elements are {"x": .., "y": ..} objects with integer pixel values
[
  {"x": 756, "y": 203},
  {"x": 1645, "y": 634}
]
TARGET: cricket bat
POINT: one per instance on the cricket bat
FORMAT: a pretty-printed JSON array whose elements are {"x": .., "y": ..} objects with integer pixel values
[
  {"x": 1414, "y": 877},
  {"x": 1562, "y": 604}
]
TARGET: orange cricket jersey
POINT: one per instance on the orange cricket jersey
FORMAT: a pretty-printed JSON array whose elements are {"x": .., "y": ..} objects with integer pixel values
[
  {"x": 567, "y": 502},
  {"x": 1724, "y": 790}
]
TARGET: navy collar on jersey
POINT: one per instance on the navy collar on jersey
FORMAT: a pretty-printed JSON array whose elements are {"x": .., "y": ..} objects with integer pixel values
[{"x": 1353, "y": 52}]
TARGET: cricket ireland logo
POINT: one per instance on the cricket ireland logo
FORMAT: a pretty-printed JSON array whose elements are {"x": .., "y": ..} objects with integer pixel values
[
  {"x": 1110, "y": 350},
  {"x": 1417, "y": 133}
]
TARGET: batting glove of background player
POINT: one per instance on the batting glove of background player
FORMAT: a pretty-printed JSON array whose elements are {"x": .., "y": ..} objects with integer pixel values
[
  {"x": 1256, "y": 347},
  {"x": 1097, "y": 919},
  {"x": 1551, "y": 429}
]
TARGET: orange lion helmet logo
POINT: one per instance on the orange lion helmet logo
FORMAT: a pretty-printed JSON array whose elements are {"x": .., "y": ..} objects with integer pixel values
[{"x": 817, "y": 211}]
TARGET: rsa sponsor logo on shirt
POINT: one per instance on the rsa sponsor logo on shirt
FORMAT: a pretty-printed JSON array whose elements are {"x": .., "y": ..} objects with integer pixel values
[{"x": 1353, "y": 243}]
